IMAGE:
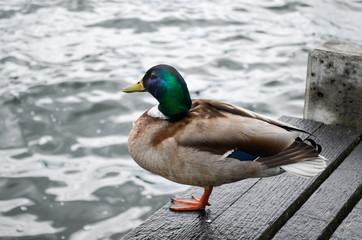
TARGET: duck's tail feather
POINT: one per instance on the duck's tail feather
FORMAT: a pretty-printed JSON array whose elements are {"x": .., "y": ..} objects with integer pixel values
[
  {"x": 300, "y": 158},
  {"x": 314, "y": 144},
  {"x": 307, "y": 168}
]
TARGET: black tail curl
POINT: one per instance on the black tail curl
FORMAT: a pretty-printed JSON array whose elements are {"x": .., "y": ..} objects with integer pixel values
[{"x": 311, "y": 142}]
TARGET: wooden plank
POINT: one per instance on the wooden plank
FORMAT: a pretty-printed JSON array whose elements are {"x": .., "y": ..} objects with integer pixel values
[
  {"x": 166, "y": 224},
  {"x": 329, "y": 205},
  {"x": 269, "y": 204},
  {"x": 249, "y": 208},
  {"x": 307, "y": 125},
  {"x": 351, "y": 227}
]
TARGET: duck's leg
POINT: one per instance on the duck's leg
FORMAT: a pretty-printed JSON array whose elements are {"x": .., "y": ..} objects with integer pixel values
[{"x": 190, "y": 204}]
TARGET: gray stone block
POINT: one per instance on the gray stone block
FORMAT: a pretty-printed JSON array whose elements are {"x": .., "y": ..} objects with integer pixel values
[{"x": 334, "y": 84}]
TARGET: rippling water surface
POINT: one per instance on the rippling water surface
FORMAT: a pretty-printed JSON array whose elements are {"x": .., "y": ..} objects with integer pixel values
[{"x": 65, "y": 172}]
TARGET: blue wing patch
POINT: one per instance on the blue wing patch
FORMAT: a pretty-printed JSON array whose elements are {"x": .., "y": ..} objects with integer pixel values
[{"x": 242, "y": 156}]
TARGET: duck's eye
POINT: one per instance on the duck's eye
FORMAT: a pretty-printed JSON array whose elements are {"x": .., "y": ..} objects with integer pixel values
[{"x": 153, "y": 75}]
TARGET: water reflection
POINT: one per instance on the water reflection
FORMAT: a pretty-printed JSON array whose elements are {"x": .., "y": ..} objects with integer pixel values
[
  {"x": 72, "y": 175},
  {"x": 27, "y": 209}
]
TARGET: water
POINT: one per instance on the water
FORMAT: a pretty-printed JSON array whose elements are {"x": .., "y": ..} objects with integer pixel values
[{"x": 65, "y": 172}]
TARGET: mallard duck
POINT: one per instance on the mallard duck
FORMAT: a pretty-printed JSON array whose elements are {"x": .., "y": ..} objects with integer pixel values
[{"x": 208, "y": 143}]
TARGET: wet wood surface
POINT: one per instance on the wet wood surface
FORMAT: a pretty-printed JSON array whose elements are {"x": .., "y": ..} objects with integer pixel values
[
  {"x": 267, "y": 208},
  {"x": 351, "y": 227},
  {"x": 324, "y": 211}
]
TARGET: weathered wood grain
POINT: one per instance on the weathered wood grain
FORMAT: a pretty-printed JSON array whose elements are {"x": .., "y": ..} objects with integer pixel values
[
  {"x": 327, "y": 207},
  {"x": 351, "y": 227},
  {"x": 264, "y": 209},
  {"x": 252, "y": 208},
  {"x": 305, "y": 124},
  {"x": 166, "y": 224}
]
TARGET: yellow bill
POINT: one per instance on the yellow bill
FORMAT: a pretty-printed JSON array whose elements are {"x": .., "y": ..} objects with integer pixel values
[{"x": 138, "y": 87}]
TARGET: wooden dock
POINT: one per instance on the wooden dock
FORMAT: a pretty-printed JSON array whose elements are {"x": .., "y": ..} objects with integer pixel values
[{"x": 326, "y": 206}]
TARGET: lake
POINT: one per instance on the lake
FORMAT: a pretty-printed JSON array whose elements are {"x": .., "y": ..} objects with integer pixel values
[{"x": 65, "y": 171}]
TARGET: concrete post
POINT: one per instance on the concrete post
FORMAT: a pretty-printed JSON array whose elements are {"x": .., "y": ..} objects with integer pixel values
[{"x": 334, "y": 84}]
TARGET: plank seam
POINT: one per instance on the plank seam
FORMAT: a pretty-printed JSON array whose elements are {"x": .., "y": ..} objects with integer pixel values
[
  {"x": 270, "y": 232},
  {"x": 342, "y": 214},
  {"x": 236, "y": 199}
]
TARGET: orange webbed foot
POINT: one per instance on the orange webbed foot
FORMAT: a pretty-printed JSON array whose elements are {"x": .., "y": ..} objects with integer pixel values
[
  {"x": 187, "y": 204},
  {"x": 191, "y": 204}
]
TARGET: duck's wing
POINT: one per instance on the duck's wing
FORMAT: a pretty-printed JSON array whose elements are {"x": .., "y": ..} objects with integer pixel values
[
  {"x": 225, "y": 129},
  {"x": 220, "y": 128},
  {"x": 221, "y": 106}
]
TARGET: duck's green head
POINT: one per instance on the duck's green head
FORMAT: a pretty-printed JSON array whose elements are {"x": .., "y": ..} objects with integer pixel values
[{"x": 166, "y": 84}]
